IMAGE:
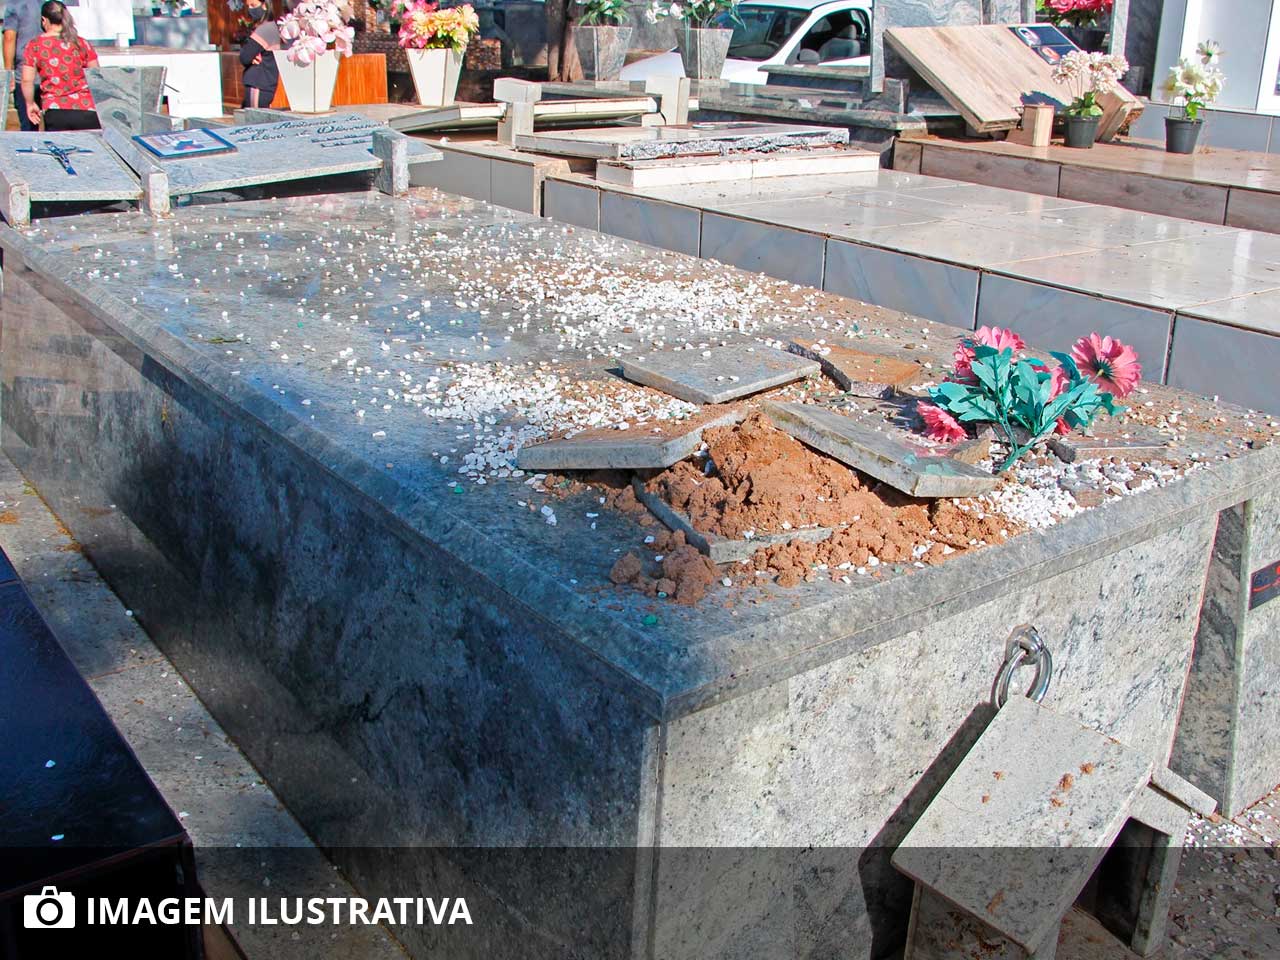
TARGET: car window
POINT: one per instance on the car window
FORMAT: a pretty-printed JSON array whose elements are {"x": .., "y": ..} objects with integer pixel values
[
  {"x": 840, "y": 35},
  {"x": 759, "y": 32}
]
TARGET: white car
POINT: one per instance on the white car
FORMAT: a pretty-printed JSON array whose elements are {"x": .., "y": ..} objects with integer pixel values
[{"x": 777, "y": 32}]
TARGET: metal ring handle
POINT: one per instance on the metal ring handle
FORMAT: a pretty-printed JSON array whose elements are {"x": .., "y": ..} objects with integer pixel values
[{"x": 1024, "y": 647}]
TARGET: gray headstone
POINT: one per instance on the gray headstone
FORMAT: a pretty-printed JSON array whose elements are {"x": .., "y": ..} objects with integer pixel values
[
  {"x": 891, "y": 455},
  {"x": 634, "y": 449},
  {"x": 30, "y": 171},
  {"x": 720, "y": 374},
  {"x": 287, "y": 150},
  {"x": 124, "y": 96}
]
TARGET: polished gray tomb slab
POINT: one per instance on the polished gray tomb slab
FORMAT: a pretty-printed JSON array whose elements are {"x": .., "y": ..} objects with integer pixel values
[
  {"x": 60, "y": 167},
  {"x": 421, "y": 667},
  {"x": 279, "y": 152}
]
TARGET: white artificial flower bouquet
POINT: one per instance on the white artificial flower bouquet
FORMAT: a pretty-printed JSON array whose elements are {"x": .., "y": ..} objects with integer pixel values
[{"x": 1197, "y": 82}]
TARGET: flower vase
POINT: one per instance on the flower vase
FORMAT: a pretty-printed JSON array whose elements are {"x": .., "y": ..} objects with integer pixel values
[
  {"x": 309, "y": 88},
  {"x": 703, "y": 51},
  {"x": 1082, "y": 132},
  {"x": 1181, "y": 134},
  {"x": 435, "y": 75},
  {"x": 602, "y": 50},
  {"x": 1093, "y": 39}
]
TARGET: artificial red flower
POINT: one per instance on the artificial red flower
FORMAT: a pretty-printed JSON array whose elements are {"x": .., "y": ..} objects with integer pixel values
[
  {"x": 995, "y": 337},
  {"x": 940, "y": 425},
  {"x": 1112, "y": 365}
]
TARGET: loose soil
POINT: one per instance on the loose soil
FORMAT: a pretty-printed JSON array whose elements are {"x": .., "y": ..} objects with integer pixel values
[{"x": 761, "y": 479}]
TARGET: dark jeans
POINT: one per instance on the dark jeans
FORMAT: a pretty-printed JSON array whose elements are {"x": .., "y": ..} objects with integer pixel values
[
  {"x": 71, "y": 120},
  {"x": 20, "y": 103},
  {"x": 254, "y": 97}
]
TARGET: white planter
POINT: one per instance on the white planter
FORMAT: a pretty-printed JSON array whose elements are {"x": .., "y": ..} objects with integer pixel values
[
  {"x": 435, "y": 75},
  {"x": 309, "y": 88}
]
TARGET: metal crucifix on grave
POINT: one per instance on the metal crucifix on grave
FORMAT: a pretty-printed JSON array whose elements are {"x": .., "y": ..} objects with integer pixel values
[{"x": 60, "y": 153}]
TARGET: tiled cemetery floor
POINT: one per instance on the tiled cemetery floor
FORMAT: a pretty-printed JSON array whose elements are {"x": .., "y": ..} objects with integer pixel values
[
  {"x": 1227, "y": 906},
  {"x": 1197, "y": 300}
]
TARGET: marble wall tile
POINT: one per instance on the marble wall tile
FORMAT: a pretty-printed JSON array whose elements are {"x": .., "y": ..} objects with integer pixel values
[
  {"x": 648, "y": 221},
  {"x": 462, "y": 174},
  {"x": 1236, "y": 130},
  {"x": 1054, "y": 318},
  {"x": 1253, "y": 210},
  {"x": 515, "y": 185},
  {"x": 1015, "y": 173},
  {"x": 1216, "y": 360},
  {"x": 571, "y": 203},
  {"x": 1137, "y": 191},
  {"x": 785, "y": 254},
  {"x": 907, "y": 156},
  {"x": 925, "y": 288},
  {"x": 759, "y": 769}
]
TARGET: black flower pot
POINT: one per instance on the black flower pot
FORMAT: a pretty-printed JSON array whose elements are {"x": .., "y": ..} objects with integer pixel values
[
  {"x": 1082, "y": 132},
  {"x": 1181, "y": 134},
  {"x": 1086, "y": 38}
]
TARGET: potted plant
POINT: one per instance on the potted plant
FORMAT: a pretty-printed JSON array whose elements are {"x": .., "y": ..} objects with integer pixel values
[
  {"x": 1083, "y": 22},
  {"x": 701, "y": 37},
  {"x": 602, "y": 39},
  {"x": 317, "y": 37},
  {"x": 1087, "y": 76},
  {"x": 1196, "y": 83},
  {"x": 435, "y": 39}
]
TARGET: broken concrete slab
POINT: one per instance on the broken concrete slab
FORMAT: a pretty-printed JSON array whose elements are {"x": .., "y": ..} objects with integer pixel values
[
  {"x": 899, "y": 459},
  {"x": 720, "y": 374},
  {"x": 858, "y": 372},
  {"x": 720, "y": 549},
  {"x": 1186, "y": 793},
  {"x": 633, "y": 449},
  {"x": 1111, "y": 440},
  {"x": 1017, "y": 831}
]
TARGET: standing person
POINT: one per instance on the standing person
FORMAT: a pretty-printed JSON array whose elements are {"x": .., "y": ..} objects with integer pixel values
[
  {"x": 59, "y": 58},
  {"x": 21, "y": 26},
  {"x": 261, "y": 75}
]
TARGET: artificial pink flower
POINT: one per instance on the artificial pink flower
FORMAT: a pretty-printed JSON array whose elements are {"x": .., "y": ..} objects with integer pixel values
[
  {"x": 940, "y": 425},
  {"x": 1112, "y": 365},
  {"x": 995, "y": 337}
]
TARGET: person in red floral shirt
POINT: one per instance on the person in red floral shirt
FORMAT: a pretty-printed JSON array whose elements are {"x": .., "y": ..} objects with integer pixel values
[{"x": 59, "y": 57}]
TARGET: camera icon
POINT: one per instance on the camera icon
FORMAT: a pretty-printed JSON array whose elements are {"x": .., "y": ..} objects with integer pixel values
[{"x": 49, "y": 909}]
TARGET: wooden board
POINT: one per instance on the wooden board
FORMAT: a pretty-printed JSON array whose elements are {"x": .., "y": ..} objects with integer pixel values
[{"x": 986, "y": 73}]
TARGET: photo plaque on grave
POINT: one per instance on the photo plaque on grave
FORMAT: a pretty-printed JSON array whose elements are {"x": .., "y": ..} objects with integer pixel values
[{"x": 185, "y": 143}]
